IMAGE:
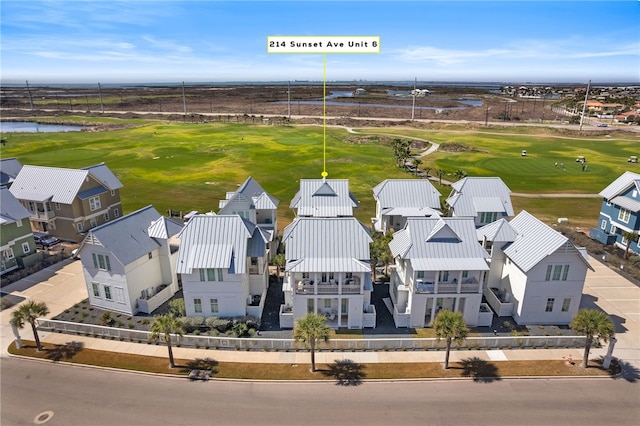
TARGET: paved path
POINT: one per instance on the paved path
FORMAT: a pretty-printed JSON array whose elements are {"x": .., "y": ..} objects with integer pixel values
[{"x": 63, "y": 285}]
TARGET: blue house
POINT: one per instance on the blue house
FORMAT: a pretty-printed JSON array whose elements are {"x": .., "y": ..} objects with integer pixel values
[{"x": 619, "y": 212}]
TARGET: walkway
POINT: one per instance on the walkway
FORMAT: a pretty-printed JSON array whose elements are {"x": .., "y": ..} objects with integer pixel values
[{"x": 63, "y": 285}]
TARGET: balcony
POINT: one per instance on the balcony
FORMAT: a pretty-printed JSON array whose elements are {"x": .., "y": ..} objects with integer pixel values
[
  {"x": 467, "y": 286},
  {"x": 42, "y": 214},
  {"x": 309, "y": 287},
  {"x": 499, "y": 301}
]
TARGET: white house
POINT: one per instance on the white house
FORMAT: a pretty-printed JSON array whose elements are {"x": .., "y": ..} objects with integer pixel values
[
  {"x": 328, "y": 271},
  {"x": 399, "y": 199},
  {"x": 537, "y": 275},
  {"x": 223, "y": 266},
  {"x": 324, "y": 198},
  {"x": 439, "y": 264},
  {"x": 486, "y": 199},
  {"x": 128, "y": 263}
]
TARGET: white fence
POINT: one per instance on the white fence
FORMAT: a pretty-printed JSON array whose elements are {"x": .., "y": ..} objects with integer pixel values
[{"x": 265, "y": 343}]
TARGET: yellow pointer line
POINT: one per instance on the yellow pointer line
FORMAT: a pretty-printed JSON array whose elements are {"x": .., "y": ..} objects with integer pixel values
[{"x": 324, "y": 115}]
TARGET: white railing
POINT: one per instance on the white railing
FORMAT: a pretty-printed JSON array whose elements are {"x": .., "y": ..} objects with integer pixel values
[
  {"x": 303, "y": 288},
  {"x": 260, "y": 343},
  {"x": 502, "y": 309},
  {"x": 151, "y": 304}
]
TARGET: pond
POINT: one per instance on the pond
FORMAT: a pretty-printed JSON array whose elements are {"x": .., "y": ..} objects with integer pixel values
[{"x": 33, "y": 127}]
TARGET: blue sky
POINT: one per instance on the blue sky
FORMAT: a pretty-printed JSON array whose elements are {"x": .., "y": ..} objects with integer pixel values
[{"x": 162, "y": 41}]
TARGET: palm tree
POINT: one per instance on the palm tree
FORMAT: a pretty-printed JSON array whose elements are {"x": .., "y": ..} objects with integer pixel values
[
  {"x": 629, "y": 237},
  {"x": 309, "y": 329},
  {"x": 451, "y": 326},
  {"x": 416, "y": 163},
  {"x": 439, "y": 172},
  {"x": 594, "y": 324},
  {"x": 30, "y": 312},
  {"x": 162, "y": 327},
  {"x": 279, "y": 260}
]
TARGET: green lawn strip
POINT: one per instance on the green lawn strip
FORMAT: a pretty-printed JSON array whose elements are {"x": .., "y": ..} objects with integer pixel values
[
  {"x": 581, "y": 212},
  {"x": 344, "y": 369}
]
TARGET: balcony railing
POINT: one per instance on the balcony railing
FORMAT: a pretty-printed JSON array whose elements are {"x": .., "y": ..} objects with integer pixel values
[
  {"x": 430, "y": 287},
  {"x": 306, "y": 287}
]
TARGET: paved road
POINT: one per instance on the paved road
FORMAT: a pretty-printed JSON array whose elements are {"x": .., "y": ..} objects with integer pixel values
[{"x": 84, "y": 396}]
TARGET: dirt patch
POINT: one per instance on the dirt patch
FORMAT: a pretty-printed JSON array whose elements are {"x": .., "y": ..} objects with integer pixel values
[{"x": 457, "y": 147}]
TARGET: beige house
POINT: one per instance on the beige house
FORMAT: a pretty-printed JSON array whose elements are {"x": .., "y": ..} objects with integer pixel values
[{"x": 67, "y": 203}]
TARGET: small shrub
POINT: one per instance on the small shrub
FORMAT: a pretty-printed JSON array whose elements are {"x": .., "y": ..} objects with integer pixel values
[
  {"x": 145, "y": 321},
  {"x": 130, "y": 326},
  {"x": 177, "y": 308},
  {"x": 119, "y": 324},
  {"x": 106, "y": 319},
  {"x": 196, "y": 332}
]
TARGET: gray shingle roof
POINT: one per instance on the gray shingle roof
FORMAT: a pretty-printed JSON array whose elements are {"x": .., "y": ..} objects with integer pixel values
[
  {"x": 472, "y": 195},
  {"x": 535, "y": 241},
  {"x": 10, "y": 208},
  {"x": 127, "y": 237},
  {"x": 37, "y": 183},
  {"x": 324, "y": 198},
  {"x": 418, "y": 193},
  {"x": 327, "y": 244},
  {"x": 216, "y": 241},
  {"x": 621, "y": 184},
  {"x": 436, "y": 244}
]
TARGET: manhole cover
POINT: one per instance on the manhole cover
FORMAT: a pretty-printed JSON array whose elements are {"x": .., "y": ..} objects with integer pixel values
[{"x": 43, "y": 417}]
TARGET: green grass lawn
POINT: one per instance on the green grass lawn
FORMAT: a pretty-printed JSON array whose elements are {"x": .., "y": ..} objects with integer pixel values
[{"x": 191, "y": 166}]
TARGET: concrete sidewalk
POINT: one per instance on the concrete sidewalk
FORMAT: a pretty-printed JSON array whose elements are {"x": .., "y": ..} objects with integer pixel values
[{"x": 63, "y": 285}]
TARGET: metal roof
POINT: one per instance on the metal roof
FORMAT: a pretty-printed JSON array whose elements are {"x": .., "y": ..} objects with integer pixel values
[
  {"x": 219, "y": 241},
  {"x": 37, "y": 183},
  {"x": 621, "y": 184},
  {"x": 500, "y": 230},
  {"x": 327, "y": 244},
  {"x": 83, "y": 195},
  {"x": 535, "y": 241},
  {"x": 11, "y": 210},
  {"x": 9, "y": 168},
  {"x": 251, "y": 191},
  {"x": 411, "y": 212},
  {"x": 164, "y": 228},
  {"x": 437, "y": 244},
  {"x": 324, "y": 198},
  {"x": 127, "y": 237},
  {"x": 418, "y": 193},
  {"x": 627, "y": 203},
  {"x": 471, "y": 194}
]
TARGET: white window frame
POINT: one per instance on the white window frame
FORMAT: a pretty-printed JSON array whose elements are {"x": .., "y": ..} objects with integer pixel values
[
  {"x": 214, "y": 306},
  {"x": 101, "y": 261},
  {"x": 197, "y": 305},
  {"x": 624, "y": 215},
  {"x": 107, "y": 292},
  {"x": 93, "y": 222},
  {"x": 106, "y": 216},
  {"x": 19, "y": 223},
  {"x": 116, "y": 213},
  {"x": 94, "y": 203},
  {"x": 80, "y": 227},
  {"x": 25, "y": 248},
  {"x": 57, "y": 206},
  {"x": 550, "y": 302},
  {"x": 8, "y": 253},
  {"x": 603, "y": 224},
  {"x": 113, "y": 193},
  {"x": 566, "y": 304},
  {"x": 96, "y": 289}
]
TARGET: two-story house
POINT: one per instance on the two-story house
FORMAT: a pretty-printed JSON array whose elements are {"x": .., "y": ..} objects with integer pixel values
[
  {"x": 439, "y": 264},
  {"x": 619, "y": 212},
  {"x": 486, "y": 199},
  {"x": 324, "y": 198},
  {"x": 17, "y": 247},
  {"x": 537, "y": 274},
  {"x": 223, "y": 266},
  {"x": 328, "y": 272},
  {"x": 129, "y": 262},
  {"x": 67, "y": 203},
  {"x": 399, "y": 199}
]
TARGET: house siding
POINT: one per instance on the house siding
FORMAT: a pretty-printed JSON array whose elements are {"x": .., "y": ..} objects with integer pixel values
[{"x": 231, "y": 292}]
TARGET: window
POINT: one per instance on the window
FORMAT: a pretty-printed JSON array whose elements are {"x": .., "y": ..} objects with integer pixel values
[
  {"x": 211, "y": 274},
  {"x": 106, "y": 216},
  {"x": 197, "y": 306},
  {"x": 94, "y": 203},
  {"x": 113, "y": 193},
  {"x": 79, "y": 227},
  {"x": 488, "y": 217},
  {"x": 566, "y": 303},
  {"x": 8, "y": 254},
  {"x": 202, "y": 275},
  {"x": 349, "y": 275},
  {"x": 116, "y": 213},
  {"x": 150, "y": 255},
  {"x": 32, "y": 206},
  {"x": 634, "y": 194},
  {"x": 305, "y": 275},
  {"x": 19, "y": 223},
  {"x": 119, "y": 295},
  {"x": 557, "y": 272},
  {"x": 96, "y": 289},
  {"x": 443, "y": 276},
  {"x": 214, "y": 306},
  {"x": 309, "y": 305},
  {"x": 603, "y": 225},
  {"x": 420, "y": 274},
  {"x": 219, "y": 274},
  {"x": 465, "y": 274},
  {"x": 57, "y": 206},
  {"x": 25, "y": 248},
  {"x": 550, "y": 303},
  {"x": 101, "y": 261},
  {"x": 107, "y": 292},
  {"x": 93, "y": 222},
  {"x": 614, "y": 229},
  {"x": 608, "y": 202},
  {"x": 327, "y": 303},
  {"x": 624, "y": 215}
]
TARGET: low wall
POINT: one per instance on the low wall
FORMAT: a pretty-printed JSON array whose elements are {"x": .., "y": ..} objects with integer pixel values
[{"x": 260, "y": 343}]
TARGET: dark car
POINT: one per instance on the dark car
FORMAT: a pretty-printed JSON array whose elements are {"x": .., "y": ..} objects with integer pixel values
[{"x": 44, "y": 240}]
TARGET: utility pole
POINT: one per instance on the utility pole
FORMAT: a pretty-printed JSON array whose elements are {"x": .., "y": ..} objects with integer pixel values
[
  {"x": 584, "y": 107},
  {"x": 100, "y": 94},
  {"x": 30, "y": 98}
]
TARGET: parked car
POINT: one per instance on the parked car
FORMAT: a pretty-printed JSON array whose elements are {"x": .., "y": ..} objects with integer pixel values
[
  {"x": 44, "y": 240},
  {"x": 603, "y": 125}
]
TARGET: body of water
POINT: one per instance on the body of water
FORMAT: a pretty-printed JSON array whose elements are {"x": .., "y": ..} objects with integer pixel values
[{"x": 33, "y": 127}]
